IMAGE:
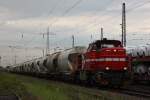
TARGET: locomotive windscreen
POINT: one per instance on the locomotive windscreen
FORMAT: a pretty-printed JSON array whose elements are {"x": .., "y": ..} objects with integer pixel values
[{"x": 104, "y": 44}]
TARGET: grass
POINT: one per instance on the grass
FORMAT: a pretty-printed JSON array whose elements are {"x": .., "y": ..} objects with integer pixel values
[
  {"x": 10, "y": 85},
  {"x": 44, "y": 90},
  {"x": 29, "y": 88}
]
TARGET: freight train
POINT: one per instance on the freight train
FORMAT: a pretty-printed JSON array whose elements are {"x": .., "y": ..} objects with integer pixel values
[
  {"x": 140, "y": 62},
  {"x": 104, "y": 62}
]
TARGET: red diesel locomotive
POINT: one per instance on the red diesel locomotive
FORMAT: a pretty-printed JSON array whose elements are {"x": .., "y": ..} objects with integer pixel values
[{"x": 105, "y": 62}]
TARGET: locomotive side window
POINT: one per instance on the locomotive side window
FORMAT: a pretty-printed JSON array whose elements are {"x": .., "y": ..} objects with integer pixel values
[{"x": 107, "y": 45}]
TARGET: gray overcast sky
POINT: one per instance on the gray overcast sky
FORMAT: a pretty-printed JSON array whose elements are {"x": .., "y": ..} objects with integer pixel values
[{"x": 65, "y": 18}]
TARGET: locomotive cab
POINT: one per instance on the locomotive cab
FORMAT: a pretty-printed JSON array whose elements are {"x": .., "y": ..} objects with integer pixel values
[{"x": 100, "y": 44}]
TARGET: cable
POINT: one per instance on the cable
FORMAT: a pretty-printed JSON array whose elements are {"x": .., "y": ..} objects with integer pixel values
[
  {"x": 137, "y": 5},
  {"x": 54, "y": 7},
  {"x": 67, "y": 11}
]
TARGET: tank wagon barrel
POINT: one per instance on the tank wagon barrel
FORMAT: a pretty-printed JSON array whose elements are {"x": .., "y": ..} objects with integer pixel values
[{"x": 65, "y": 62}]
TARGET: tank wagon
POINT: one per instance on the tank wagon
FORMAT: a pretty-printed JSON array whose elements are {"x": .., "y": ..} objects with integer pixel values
[
  {"x": 140, "y": 60},
  {"x": 104, "y": 62},
  {"x": 63, "y": 63}
]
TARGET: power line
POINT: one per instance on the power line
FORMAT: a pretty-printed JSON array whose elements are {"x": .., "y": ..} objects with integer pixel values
[
  {"x": 67, "y": 10},
  {"x": 137, "y": 5},
  {"x": 53, "y": 8},
  {"x": 95, "y": 12}
]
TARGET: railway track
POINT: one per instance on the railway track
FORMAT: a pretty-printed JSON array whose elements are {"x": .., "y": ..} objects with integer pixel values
[
  {"x": 140, "y": 91},
  {"x": 9, "y": 97},
  {"x": 137, "y": 90}
]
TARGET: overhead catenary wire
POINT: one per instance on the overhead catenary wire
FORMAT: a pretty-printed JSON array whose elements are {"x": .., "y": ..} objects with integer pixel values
[
  {"x": 73, "y": 6},
  {"x": 64, "y": 13},
  {"x": 115, "y": 17},
  {"x": 78, "y": 2},
  {"x": 53, "y": 8},
  {"x": 67, "y": 11},
  {"x": 34, "y": 37},
  {"x": 50, "y": 13}
]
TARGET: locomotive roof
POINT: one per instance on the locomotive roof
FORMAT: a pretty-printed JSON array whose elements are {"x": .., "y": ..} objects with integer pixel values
[{"x": 105, "y": 41}]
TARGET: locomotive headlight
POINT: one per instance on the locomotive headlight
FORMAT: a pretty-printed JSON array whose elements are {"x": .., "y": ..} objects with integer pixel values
[
  {"x": 107, "y": 68},
  {"x": 115, "y": 50},
  {"x": 125, "y": 68}
]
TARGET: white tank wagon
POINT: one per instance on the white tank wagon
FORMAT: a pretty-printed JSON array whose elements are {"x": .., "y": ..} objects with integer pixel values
[
  {"x": 22, "y": 67},
  {"x": 70, "y": 59},
  {"x": 60, "y": 63},
  {"x": 16, "y": 68},
  {"x": 42, "y": 63},
  {"x": 147, "y": 50},
  {"x": 9, "y": 68},
  {"x": 35, "y": 66},
  {"x": 26, "y": 66},
  {"x": 52, "y": 62}
]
